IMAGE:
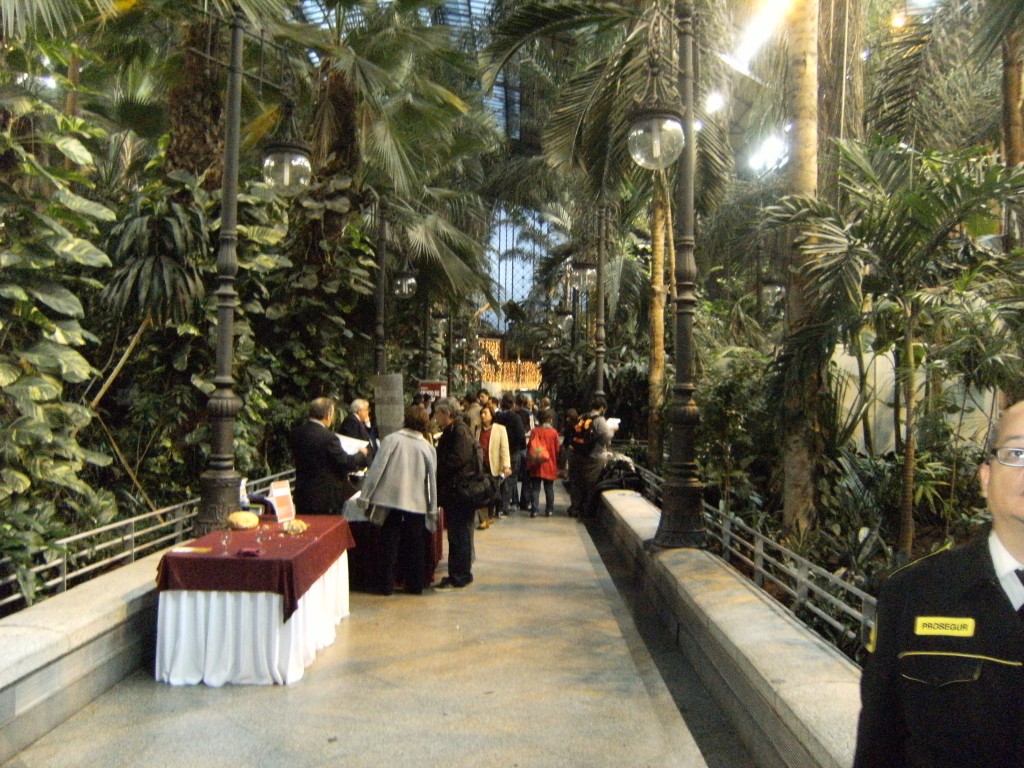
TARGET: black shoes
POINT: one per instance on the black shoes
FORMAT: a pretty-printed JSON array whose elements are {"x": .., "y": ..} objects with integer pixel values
[{"x": 447, "y": 583}]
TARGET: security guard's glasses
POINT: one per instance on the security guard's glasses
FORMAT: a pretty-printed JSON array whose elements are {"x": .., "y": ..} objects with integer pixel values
[{"x": 1009, "y": 457}]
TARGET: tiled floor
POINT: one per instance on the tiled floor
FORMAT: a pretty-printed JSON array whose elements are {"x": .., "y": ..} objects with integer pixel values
[{"x": 537, "y": 663}]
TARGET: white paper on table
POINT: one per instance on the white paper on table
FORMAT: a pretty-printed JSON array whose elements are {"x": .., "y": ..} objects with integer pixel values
[
  {"x": 351, "y": 445},
  {"x": 281, "y": 497}
]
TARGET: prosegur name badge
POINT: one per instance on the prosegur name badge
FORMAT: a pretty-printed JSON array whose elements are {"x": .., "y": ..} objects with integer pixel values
[{"x": 944, "y": 625}]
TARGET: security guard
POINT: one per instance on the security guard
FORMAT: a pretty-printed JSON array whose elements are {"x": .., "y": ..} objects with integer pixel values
[{"x": 944, "y": 682}]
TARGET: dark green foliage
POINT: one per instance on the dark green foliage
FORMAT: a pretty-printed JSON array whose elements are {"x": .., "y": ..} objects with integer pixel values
[{"x": 47, "y": 260}]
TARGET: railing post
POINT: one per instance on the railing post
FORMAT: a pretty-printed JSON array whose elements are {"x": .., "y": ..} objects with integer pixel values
[
  {"x": 64, "y": 571},
  {"x": 802, "y": 584},
  {"x": 131, "y": 542},
  {"x": 727, "y": 538},
  {"x": 867, "y": 618},
  {"x": 759, "y": 560}
]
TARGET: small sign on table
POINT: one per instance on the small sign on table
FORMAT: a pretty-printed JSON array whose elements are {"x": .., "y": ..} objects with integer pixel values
[{"x": 281, "y": 496}]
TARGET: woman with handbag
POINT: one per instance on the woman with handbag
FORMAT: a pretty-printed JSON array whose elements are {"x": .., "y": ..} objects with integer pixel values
[
  {"x": 542, "y": 463},
  {"x": 401, "y": 486},
  {"x": 497, "y": 460},
  {"x": 460, "y": 485}
]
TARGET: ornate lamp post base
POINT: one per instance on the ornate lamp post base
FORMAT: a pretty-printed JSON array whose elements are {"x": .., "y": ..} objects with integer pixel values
[{"x": 219, "y": 492}]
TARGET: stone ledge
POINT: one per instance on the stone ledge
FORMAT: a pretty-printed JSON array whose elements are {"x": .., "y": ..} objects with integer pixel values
[
  {"x": 793, "y": 697},
  {"x": 61, "y": 653}
]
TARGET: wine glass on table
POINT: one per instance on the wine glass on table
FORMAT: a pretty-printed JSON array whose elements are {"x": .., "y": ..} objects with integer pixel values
[{"x": 225, "y": 539}]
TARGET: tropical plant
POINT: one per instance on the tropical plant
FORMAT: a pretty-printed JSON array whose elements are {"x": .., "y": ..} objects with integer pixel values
[
  {"x": 47, "y": 261},
  {"x": 898, "y": 235}
]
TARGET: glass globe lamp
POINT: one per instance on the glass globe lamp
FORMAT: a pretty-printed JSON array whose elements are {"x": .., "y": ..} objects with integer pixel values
[
  {"x": 286, "y": 166},
  {"x": 655, "y": 140}
]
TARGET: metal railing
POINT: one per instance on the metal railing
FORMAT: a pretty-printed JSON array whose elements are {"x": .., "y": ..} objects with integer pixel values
[
  {"x": 77, "y": 558},
  {"x": 814, "y": 595},
  {"x": 818, "y": 598}
]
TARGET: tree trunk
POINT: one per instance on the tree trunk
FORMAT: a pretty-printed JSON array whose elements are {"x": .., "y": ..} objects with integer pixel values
[
  {"x": 656, "y": 369},
  {"x": 801, "y": 446},
  {"x": 841, "y": 28},
  {"x": 906, "y": 536},
  {"x": 1013, "y": 121},
  {"x": 196, "y": 106},
  {"x": 71, "y": 100}
]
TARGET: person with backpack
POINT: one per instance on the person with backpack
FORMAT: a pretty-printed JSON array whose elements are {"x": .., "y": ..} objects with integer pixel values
[
  {"x": 542, "y": 463},
  {"x": 589, "y": 442}
]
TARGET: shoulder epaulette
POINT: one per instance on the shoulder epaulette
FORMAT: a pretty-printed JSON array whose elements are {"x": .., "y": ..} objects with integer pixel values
[{"x": 948, "y": 545}]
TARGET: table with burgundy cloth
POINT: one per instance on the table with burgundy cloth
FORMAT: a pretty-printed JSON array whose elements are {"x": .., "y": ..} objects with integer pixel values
[{"x": 225, "y": 617}]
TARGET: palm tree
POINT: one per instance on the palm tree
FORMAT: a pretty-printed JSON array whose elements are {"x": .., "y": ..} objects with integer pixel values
[
  {"x": 590, "y": 121},
  {"x": 801, "y": 448},
  {"x": 899, "y": 234},
  {"x": 22, "y": 18},
  {"x": 1002, "y": 25},
  {"x": 396, "y": 112}
]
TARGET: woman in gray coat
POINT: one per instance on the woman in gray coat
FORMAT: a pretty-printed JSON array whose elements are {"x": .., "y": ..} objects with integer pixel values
[{"x": 402, "y": 485}]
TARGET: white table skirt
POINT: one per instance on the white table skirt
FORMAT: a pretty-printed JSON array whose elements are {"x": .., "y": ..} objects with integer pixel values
[{"x": 218, "y": 637}]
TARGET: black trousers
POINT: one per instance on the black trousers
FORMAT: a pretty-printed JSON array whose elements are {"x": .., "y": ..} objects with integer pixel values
[
  {"x": 461, "y": 520},
  {"x": 403, "y": 551}
]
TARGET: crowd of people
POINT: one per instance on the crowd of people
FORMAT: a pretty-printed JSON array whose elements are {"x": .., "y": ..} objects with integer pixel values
[
  {"x": 478, "y": 459},
  {"x": 942, "y": 683}
]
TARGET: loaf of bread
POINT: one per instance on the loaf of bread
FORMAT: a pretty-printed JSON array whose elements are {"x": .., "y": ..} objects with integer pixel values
[{"x": 243, "y": 521}]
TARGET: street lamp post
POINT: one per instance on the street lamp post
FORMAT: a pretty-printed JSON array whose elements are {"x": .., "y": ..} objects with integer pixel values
[
  {"x": 219, "y": 484},
  {"x": 652, "y": 143},
  {"x": 380, "y": 355},
  {"x": 599, "y": 336},
  {"x": 403, "y": 285}
]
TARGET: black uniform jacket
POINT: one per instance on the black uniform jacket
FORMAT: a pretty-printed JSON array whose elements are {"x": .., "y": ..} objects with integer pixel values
[
  {"x": 944, "y": 685},
  {"x": 321, "y": 469}
]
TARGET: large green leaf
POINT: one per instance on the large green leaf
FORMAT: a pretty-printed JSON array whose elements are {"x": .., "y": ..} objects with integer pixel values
[
  {"x": 14, "y": 482},
  {"x": 79, "y": 251},
  {"x": 51, "y": 357},
  {"x": 8, "y": 373},
  {"x": 84, "y": 206},
  {"x": 62, "y": 473},
  {"x": 71, "y": 333},
  {"x": 58, "y": 298},
  {"x": 96, "y": 458},
  {"x": 28, "y": 431},
  {"x": 73, "y": 150},
  {"x": 70, "y": 414},
  {"x": 38, "y": 389},
  {"x": 13, "y": 292}
]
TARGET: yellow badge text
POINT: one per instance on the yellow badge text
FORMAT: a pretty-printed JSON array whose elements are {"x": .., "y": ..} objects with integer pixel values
[{"x": 944, "y": 625}]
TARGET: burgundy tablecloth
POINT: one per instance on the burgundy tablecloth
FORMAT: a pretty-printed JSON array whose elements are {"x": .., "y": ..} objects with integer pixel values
[{"x": 287, "y": 565}]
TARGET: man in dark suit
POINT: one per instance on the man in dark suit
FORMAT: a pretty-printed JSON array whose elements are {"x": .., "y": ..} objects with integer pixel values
[
  {"x": 456, "y": 461},
  {"x": 321, "y": 466},
  {"x": 357, "y": 426}
]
